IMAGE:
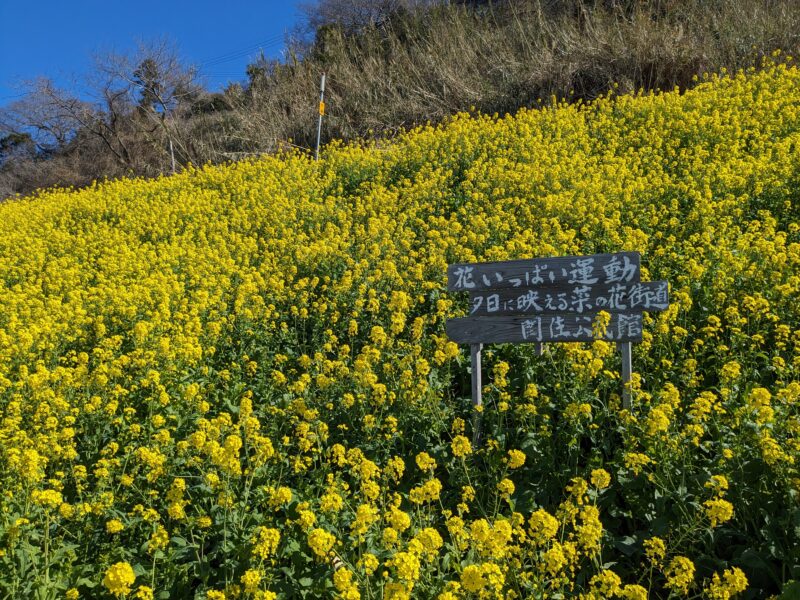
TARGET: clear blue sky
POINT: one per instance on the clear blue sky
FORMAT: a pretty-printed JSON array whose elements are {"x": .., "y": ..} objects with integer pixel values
[{"x": 57, "y": 38}]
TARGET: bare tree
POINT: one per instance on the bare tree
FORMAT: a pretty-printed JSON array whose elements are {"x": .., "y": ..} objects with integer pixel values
[
  {"x": 156, "y": 87},
  {"x": 131, "y": 116},
  {"x": 47, "y": 114}
]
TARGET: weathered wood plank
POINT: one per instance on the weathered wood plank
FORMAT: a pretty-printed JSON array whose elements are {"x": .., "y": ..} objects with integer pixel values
[
  {"x": 542, "y": 328},
  {"x": 621, "y": 267},
  {"x": 563, "y": 298}
]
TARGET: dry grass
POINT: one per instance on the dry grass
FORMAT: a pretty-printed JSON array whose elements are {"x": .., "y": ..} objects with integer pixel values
[{"x": 427, "y": 67}]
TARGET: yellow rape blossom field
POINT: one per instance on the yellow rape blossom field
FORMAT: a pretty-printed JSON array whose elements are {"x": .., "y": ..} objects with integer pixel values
[{"x": 235, "y": 383}]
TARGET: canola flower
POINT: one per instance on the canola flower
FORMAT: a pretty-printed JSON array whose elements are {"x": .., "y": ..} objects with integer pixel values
[
  {"x": 680, "y": 574},
  {"x": 732, "y": 582},
  {"x": 119, "y": 578},
  {"x": 242, "y": 370}
]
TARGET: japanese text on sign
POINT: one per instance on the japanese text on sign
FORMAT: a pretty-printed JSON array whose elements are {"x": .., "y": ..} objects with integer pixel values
[
  {"x": 622, "y": 267},
  {"x": 578, "y": 299}
]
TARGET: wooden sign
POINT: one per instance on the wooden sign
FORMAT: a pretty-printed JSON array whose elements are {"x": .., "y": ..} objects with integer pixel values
[{"x": 553, "y": 299}]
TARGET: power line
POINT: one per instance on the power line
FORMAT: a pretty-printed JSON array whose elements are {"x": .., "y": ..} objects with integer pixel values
[
  {"x": 233, "y": 55},
  {"x": 241, "y": 54}
]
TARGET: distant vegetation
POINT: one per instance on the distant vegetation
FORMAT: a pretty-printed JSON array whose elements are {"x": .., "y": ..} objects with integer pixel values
[{"x": 390, "y": 65}]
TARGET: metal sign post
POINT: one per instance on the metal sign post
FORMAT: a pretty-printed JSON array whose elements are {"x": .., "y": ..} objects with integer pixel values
[
  {"x": 321, "y": 114},
  {"x": 627, "y": 370},
  {"x": 477, "y": 400}
]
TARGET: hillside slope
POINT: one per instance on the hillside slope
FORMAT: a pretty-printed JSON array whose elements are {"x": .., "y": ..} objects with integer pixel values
[{"x": 234, "y": 382}]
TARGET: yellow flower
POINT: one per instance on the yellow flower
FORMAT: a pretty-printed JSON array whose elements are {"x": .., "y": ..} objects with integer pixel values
[
  {"x": 144, "y": 592},
  {"x": 600, "y": 478},
  {"x": 635, "y": 461},
  {"x": 30, "y": 466},
  {"x": 320, "y": 542},
  {"x": 633, "y": 592},
  {"x": 590, "y": 530},
  {"x": 366, "y": 515},
  {"x": 389, "y": 536},
  {"x": 395, "y": 467},
  {"x": 506, "y": 488},
  {"x": 407, "y": 566},
  {"x": 204, "y": 522},
  {"x": 398, "y": 519},
  {"x": 330, "y": 502},
  {"x": 543, "y": 526},
  {"x": 47, "y": 498},
  {"x": 428, "y": 541},
  {"x": 600, "y": 325},
  {"x": 494, "y": 576},
  {"x": 718, "y": 484},
  {"x": 425, "y": 462},
  {"x": 251, "y": 580},
  {"x": 680, "y": 574},
  {"x": 472, "y": 578},
  {"x": 427, "y": 492},
  {"x": 655, "y": 549},
  {"x": 516, "y": 459},
  {"x": 460, "y": 446},
  {"x": 733, "y": 582},
  {"x": 531, "y": 391},
  {"x": 343, "y": 582},
  {"x": 280, "y": 497},
  {"x": 657, "y": 421},
  {"x": 369, "y": 563},
  {"x": 718, "y": 511},
  {"x": 606, "y": 583},
  {"x": 730, "y": 371},
  {"x": 265, "y": 542},
  {"x": 114, "y": 526},
  {"x": 66, "y": 510},
  {"x": 159, "y": 540},
  {"x": 119, "y": 578},
  {"x": 554, "y": 559},
  {"x": 396, "y": 591}
]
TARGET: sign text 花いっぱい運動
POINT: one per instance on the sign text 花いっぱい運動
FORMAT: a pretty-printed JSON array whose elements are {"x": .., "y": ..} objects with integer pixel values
[{"x": 622, "y": 267}]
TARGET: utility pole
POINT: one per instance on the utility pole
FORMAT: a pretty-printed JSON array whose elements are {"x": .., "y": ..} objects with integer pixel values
[
  {"x": 172, "y": 155},
  {"x": 321, "y": 114}
]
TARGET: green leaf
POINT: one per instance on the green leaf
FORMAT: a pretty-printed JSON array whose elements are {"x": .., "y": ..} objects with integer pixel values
[
  {"x": 791, "y": 591},
  {"x": 626, "y": 545},
  {"x": 85, "y": 582}
]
